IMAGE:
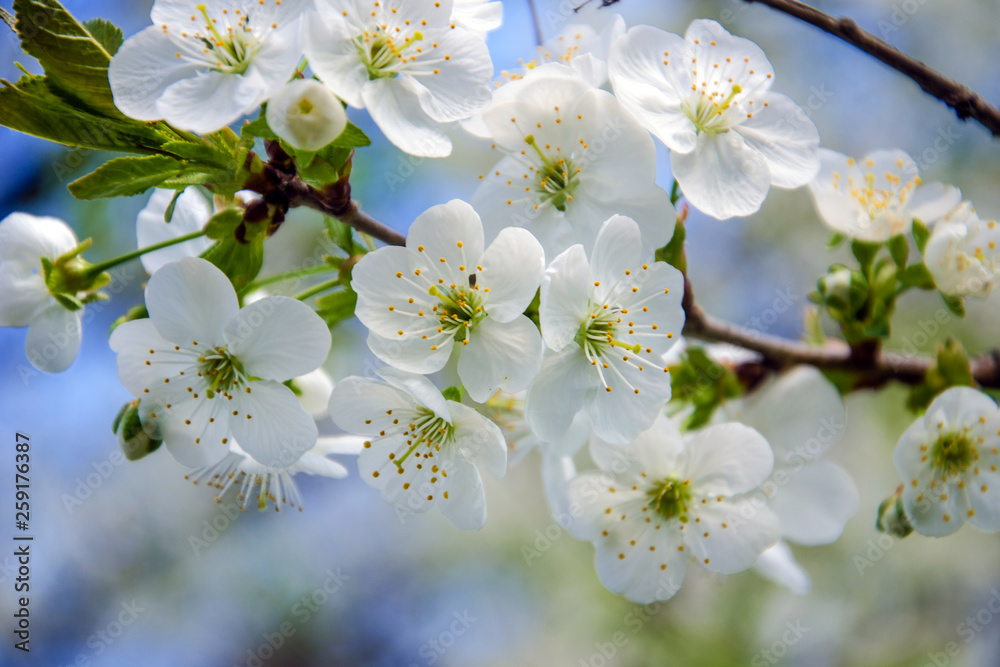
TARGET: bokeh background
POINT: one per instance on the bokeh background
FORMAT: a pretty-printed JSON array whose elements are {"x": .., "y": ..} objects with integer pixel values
[{"x": 199, "y": 586}]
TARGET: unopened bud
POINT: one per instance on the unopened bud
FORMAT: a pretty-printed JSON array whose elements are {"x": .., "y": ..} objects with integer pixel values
[
  {"x": 133, "y": 439},
  {"x": 306, "y": 114},
  {"x": 892, "y": 517}
]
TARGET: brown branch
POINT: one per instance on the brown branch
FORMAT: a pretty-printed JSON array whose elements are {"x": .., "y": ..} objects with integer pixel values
[
  {"x": 872, "y": 367},
  {"x": 966, "y": 103},
  {"x": 350, "y": 215}
]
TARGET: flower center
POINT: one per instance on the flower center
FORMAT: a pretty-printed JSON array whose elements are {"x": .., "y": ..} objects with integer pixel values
[
  {"x": 460, "y": 309},
  {"x": 670, "y": 499},
  {"x": 953, "y": 453},
  {"x": 233, "y": 47},
  {"x": 223, "y": 372},
  {"x": 557, "y": 177},
  {"x": 877, "y": 200},
  {"x": 428, "y": 430},
  {"x": 710, "y": 114},
  {"x": 597, "y": 333},
  {"x": 381, "y": 55}
]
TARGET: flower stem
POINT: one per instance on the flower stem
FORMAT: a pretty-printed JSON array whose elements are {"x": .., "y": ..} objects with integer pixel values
[
  {"x": 288, "y": 275},
  {"x": 316, "y": 289},
  {"x": 96, "y": 269}
]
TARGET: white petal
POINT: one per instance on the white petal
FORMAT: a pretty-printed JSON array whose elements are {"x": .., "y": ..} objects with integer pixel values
[
  {"x": 186, "y": 431},
  {"x": 512, "y": 270},
  {"x": 144, "y": 67},
  {"x": 801, "y": 414},
  {"x": 985, "y": 501},
  {"x": 209, "y": 100},
  {"x": 935, "y": 511},
  {"x": 728, "y": 459},
  {"x": 272, "y": 426},
  {"x": 557, "y": 471},
  {"x": 191, "y": 300},
  {"x": 333, "y": 55},
  {"x": 813, "y": 503},
  {"x": 558, "y": 392},
  {"x": 54, "y": 339},
  {"x": 786, "y": 137},
  {"x": 452, "y": 231},
  {"x": 722, "y": 176},
  {"x": 278, "y": 338},
  {"x": 420, "y": 388},
  {"x": 132, "y": 341},
  {"x": 191, "y": 212},
  {"x": 412, "y": 353},
  {"x": 479, "y": 439},
  {"x": 500, "y": 356},
  {"x": 396, "y": 109},
  {"x": 351, "y": 445},
  {"x": 357, "y": 404},
  {"x": 620, "y": 414},
  {"x": 26, "y": 238},
  {"x": 657, "y": 451},
  {"x": 779, "y": 565},
  {"x": 651, "y": 89},
  {"x": 749, "y": 531},
  {"x": 459, "y": 86},
  {"x": 465, "y": 505},
  {"x": 618, "y": 248},
  {"x": 565, "y": 294},
  {"x": 315, "y": 389},
  {"x": 640, "y": 575},
  {"x": 23, "y": 294},
  {"x": 932, "y": 201}
]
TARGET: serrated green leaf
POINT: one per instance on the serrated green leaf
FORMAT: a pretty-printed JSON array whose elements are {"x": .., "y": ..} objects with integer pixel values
[
  {"x": 258, "y": 128},
  {"x": 222, "y": 225},
  {"x": 352, "y": 137},
  {"x": 240, "y": 262},
  {"x": 106, "y": 33},
  {"x": 199, "y": 152},
  {"x": 126, "y": 176},
  {"x": 920, "y": 234},
  {"x": 899, "y": 248},
  {"x": 168, "y": 213},
  {"x": 30, "y": 106},
  {"x": 75, "y": 62}
]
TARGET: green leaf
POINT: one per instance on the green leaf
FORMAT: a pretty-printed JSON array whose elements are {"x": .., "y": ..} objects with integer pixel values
[
  {"x": 835, "y": 240},
  {"x": 352, "y": 137},
  {"x": 126, "y": 176},
  {"x": 952, "y": 368},
  {"x": 75, "y": 62},
  {"x": 899, "y": 248},
  {"x": 337, "y": 306},
  {"x": 241, "y": 262},
  {"x": 920, "y": 234},
  {"x": 916, "y": 275},
  {"x": 955, "y": 304},
  {"x": 865, "y": 253},
  {"x": 168, "y": 213},
  {"x": 673, "y": 252},
  {"x": 106, "y": 33},
  {"x": 199, "y": 152},
  {"x": 222, "y": 226},
  {"x": 452, "y": 394},
  {"x": 31, "y": 107},
  {"x": 343, "y": 235},
  {"x": 259, "y": 128}
]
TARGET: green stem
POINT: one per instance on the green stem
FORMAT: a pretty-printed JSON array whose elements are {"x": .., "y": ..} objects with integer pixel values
[
  {"x": 288, "y": 275},
  {"x": 675, "y": 194},
  {"x": 316, "y": 289},
  {"x": 96, "y": 269}
]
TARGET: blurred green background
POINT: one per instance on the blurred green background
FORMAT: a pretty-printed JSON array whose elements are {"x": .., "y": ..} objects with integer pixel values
[{"x": 132, "y": 565}]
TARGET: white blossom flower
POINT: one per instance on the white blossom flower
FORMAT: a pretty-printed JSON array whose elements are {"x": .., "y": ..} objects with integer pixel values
[
  {"x": 606, "y": 324},
  {"x": 962, "y": 253},
  {"x": 406, "y": 63},
  {"x": 660, "y": 501},
  {"x": 423, "y": 450},
  {"x": 54, "y": 331},
  {"x": 306, "y": 114},
  {"x": 707, "y": 97},
  {"x": 948, "y": 461},
  {"x": 203, "y": 65},
  {"x": 479, "y": 16},
  {"x": 573, "y": 158},
  {"x": 778, "y": 564},
  {"x": 443, "y": 288},
  {"x": 274, "y": 485},
  {"x": 313, "y": 391},
  {"x": 191, "y": 212},
  {"x": 209, "y": 372},
  {"x": 878, "y": 196}
]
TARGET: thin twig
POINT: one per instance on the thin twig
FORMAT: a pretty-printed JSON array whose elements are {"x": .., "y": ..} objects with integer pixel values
[
  {"x": 966, "y": 103},
  {"x": 539, "y": 37}
]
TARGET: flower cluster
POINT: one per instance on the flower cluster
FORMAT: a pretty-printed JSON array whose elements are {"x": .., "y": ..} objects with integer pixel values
[{"x": 544, "y": 314}]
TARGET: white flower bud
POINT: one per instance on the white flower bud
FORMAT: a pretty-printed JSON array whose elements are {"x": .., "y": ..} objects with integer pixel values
[{"x": 306, "y": 114}]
